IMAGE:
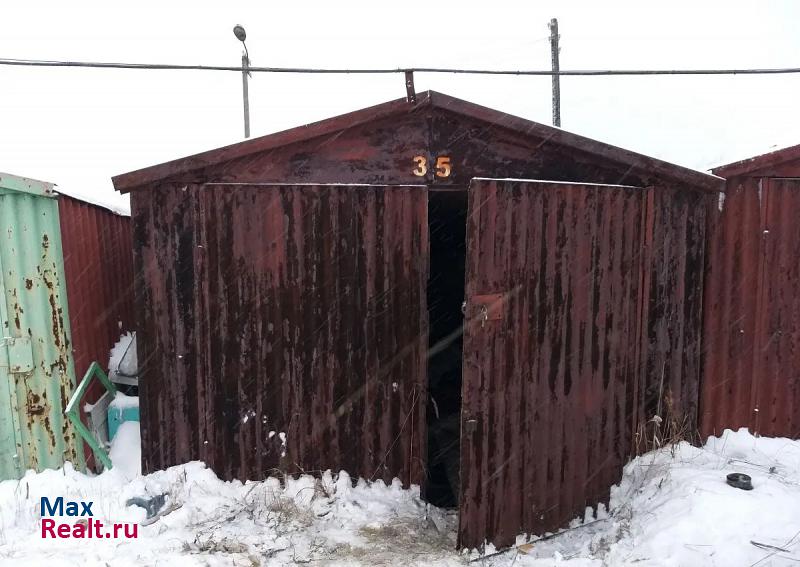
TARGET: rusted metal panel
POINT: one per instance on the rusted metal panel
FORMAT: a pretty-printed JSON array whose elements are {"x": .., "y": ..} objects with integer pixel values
[
  {"x": 675, "y": 246},
  {"x": 777, "y": 388},
  {"x": 298, "y": 310},
  {"x": 548, "y": 387},
  {"x": 777, "y": 383},
  {"x": 732, "y": 289},
  {"x": 588, "y": 349},
  {"x": 784, "y": 162},
  {"x": 752, "y": 373},
  {"x": 376, "y": 144},
  {"x": 383, "y": 152},
  {"x": 36, "y": 366},
  {"x": 196, "y": 219},
  {"x": 98, "y": 264}
]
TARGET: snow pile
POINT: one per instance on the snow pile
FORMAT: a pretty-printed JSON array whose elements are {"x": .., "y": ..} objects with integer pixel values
[
  {"x": 122, "y": 401},
  {"x": 224, "y": 523},
  {"x": 125, "y": 452},
  {"x": 672, "y": 508},
  {"x": 680, "y": 511}
]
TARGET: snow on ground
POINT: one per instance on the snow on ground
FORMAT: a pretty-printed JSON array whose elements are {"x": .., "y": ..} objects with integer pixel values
[
  {"x": 672, "y": 508},
  {"x": 125, "y": 450}
]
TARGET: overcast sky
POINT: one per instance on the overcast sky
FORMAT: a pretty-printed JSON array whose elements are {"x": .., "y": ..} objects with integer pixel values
[{"x": 78, "y": 127}]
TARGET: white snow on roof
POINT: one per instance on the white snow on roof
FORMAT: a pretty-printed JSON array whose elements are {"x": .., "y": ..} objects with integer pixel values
[
  {"x": 111, "y": 201},
  {"x": 745, "y": 152}
]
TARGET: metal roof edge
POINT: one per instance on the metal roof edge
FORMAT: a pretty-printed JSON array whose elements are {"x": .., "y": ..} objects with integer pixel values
[
  {"x": 119, "y": 211},
  {"x": 758, "y": 163},
  {"x": 576, "y": 141},
  {"x": 128, "y": 181},
  {"x": 20, "y": 184},
  {"x": 125, "y": 182},
  {"x": 551, "y": 182}
]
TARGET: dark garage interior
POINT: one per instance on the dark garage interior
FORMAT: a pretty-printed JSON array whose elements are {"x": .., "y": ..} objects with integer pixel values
[{"x": 447, "y": 212}]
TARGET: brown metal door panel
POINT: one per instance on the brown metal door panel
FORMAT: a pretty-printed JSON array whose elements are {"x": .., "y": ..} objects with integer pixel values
[
  {"x": 550, "y": 352},
  {"x": 342, "y": 281},
  {"x": 729, "y": 310},
  {"x": 287, "y": 329},
  {"x": 776, "y": 383},
  {"x": 752, "y": 311},
  {"x": 673, "y": 315}
]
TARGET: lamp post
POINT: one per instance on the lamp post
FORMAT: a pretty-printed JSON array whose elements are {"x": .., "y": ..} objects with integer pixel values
[{"x": 241, "y": 35}]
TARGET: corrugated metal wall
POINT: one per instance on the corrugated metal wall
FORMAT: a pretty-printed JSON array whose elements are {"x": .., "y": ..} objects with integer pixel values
[
  {"x": 298, "y": 310},
  {"x": 597, "y": 326},
  {"x": 550, "y": 381},
  {"x": 752, "y": 318},
  {"x": 36, "y": 366},
  {"x": 675, "y": 242},
  {"x": 98, "y": 263}
]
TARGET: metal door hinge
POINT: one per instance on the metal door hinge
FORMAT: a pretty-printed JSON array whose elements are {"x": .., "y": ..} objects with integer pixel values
[{"x": 20, "y": 354}]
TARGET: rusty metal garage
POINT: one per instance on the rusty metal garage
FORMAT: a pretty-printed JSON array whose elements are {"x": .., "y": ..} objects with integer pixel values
[{"x": 300, "y": 299}]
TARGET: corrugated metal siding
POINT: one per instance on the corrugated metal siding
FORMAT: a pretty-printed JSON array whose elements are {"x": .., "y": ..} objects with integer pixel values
[
  {"x": 730, "y": 310},
  {"x": 298, "y": 310},
  {"x": 777, "y": 388},
  {"x": 673, "y": 303},
  {"x": 36, "y": 435},
  {"x": 599, "y": 331},
  {"x": 752, "y": 323},
  {"x": 98, "y": 263},
  {"x": 550, "y": 383}
]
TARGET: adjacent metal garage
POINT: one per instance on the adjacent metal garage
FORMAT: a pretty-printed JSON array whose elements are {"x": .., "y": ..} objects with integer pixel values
[
  {"x": 752, "y": 315},
  {"x": 37, "y": 372},
  {"x": 65, "y": 297},
  {"x": 497, "y": 310}
]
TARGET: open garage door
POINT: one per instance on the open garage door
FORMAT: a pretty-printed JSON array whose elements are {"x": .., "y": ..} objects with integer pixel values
[{"x": 551, "y": 348}]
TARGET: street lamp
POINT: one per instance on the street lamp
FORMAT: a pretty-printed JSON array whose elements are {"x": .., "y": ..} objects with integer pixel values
[{"x": 241, "y": 35}]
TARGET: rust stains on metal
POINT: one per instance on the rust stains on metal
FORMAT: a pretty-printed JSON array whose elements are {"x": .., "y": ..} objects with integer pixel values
[
  {"x": 98, "y": 267},
  {"x": 673, "y": 309},
  {"x": 299, "y": 155},
  {"x": 283, "y": 321},
  {"x": 752, "y": 313},
  {"x": 283, "y": 328},
  {"x": 600, "y": 324},
  {"x": 777, "y": 390},
  {"x": 36, "y": 329},
  {"x": 98, "y": 263},
  {"x": 550, "y": 384},
  {"x": 784, "y": 162}
]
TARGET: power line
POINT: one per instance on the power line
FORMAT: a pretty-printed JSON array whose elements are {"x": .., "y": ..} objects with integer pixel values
[{"x": 379, "y": 71}]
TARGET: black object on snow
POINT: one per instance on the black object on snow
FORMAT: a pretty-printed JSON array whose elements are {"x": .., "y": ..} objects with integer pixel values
[
  {"x": 151, "y": 505},
  {"x": 740, "y": 480}
]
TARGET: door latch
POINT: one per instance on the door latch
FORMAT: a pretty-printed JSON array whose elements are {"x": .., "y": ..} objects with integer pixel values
[{"x": 485, "y": 308}]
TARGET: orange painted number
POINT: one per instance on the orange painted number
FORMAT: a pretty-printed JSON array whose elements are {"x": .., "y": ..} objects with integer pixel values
[
  {"x": 443, "y": 168},
  {"x": 422, "y": 166}
]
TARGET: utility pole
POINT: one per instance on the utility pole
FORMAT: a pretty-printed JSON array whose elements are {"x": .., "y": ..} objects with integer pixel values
[
  {"x": 245, "y": 94},
  {"x": 240, "y": 34},
  {"x": 555, "y": 67}
]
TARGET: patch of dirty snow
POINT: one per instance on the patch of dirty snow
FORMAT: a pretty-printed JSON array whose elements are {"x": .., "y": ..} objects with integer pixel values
[{"x": 673, "y": 507}]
